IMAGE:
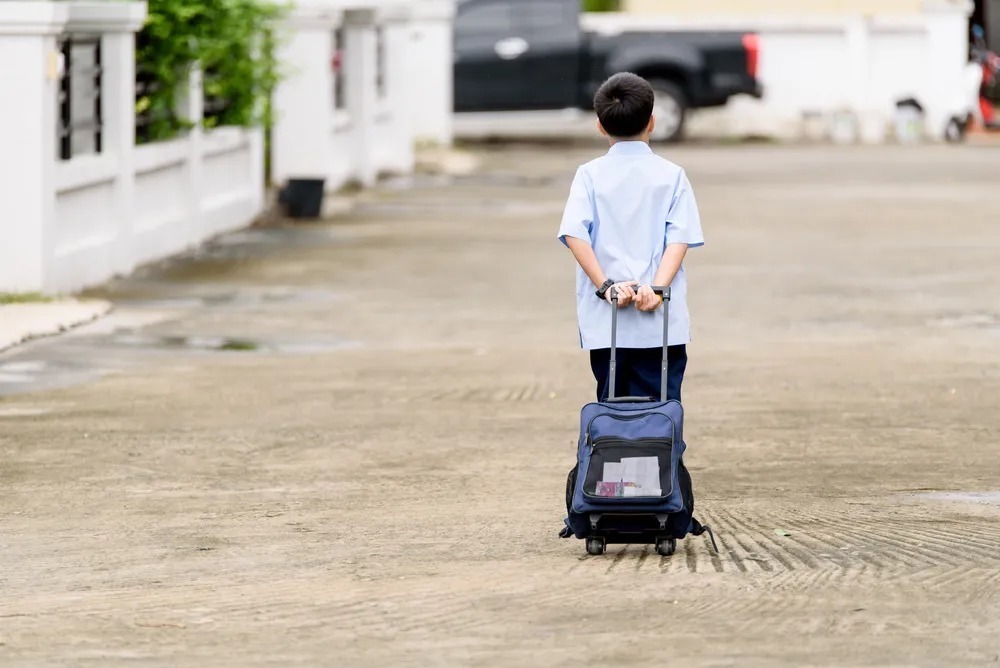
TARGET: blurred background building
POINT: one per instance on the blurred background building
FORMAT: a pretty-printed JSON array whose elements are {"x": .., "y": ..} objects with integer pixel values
[
  {"x": 126, "y": 144},
  {"x": 985, "y": 13},
  {"x": 829, "y": 68}
]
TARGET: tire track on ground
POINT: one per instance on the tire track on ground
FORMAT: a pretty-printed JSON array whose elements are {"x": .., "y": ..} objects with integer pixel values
[
  {"x": 717, "y": 560},
  {"x": 856, "y": 538},
  {"x": 985, "y": 580},
  {"x": 618, "y": 558},
  {"x": 984, "y": 547},
  {"x": 807, "y": 571},
  {"x": 733, "y": 557},
  {"x": 904, "y": 546},
  {"x": 775, "y": 551},
  {"x": 673, "y": 565},
  {"x": 948, "y": 543},
  {"x": 836, "y": 566},
  {"x": 749, "y": 555},
  {"x": 690, "y": 556},
  {"x": 642, "y": 558},
  {"x": 579, "y": 562},
  {"x": 840, "y": 545}
]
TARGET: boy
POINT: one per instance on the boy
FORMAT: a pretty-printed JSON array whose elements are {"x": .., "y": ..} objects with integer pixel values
[{"x": 629, "y": 220}]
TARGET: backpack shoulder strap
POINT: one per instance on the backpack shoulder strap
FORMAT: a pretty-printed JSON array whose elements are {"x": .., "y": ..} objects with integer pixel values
[{"x": 697, "y": 529}]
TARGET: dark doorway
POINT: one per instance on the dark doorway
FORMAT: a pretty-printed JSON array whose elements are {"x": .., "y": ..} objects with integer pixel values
[{"x": 987, "y": 14}]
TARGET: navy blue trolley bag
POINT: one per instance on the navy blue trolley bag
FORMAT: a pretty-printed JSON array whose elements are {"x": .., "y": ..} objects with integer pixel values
[{"x": 630, "y": 484}]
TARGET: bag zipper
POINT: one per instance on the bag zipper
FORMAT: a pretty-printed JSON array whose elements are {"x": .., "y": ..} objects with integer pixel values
[
  {"x": 604, "y": 441},
  {"x": 629, "y": 418}
]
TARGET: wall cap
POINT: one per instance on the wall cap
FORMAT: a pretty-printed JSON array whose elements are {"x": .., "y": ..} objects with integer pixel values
[
  {"x": 106, "y": 17},
  {"x": 25, "y": 17}
]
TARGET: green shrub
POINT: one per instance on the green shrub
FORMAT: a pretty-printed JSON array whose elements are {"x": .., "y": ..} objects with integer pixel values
[
  {"x": 601, "y": 5},
  {"x": 23, "y": 298},
  {"x": 233, "y": 40}
]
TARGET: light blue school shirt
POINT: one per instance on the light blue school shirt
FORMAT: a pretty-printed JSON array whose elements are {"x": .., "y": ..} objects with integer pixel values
[{"x": 628, "y": 205}]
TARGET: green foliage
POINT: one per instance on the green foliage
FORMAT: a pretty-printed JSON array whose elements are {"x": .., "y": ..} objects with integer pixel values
[
  {"x": 234, "y": 42},
  {"x": 240, "y": 345},
  {"x": 23, "y": 298},
  {"x": 601, "y": 5}
]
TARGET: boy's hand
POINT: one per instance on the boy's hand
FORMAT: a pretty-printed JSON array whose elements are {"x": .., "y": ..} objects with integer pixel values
[
  {"x": 647, "y": 300},
  {"x": 625, "y": 292}
]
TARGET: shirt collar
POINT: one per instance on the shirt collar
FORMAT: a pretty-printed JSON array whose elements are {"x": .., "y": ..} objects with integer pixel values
[{"x": 629, "y": 148}]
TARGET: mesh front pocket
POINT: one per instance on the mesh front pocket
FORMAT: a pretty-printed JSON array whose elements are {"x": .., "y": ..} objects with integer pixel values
[{"x": 630, "y": 469}]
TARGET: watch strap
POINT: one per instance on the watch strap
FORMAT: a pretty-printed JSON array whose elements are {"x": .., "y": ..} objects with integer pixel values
[{"x": 603, "y": 290}]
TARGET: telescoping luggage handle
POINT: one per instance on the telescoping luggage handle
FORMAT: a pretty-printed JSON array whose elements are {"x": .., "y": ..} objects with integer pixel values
[{"x": 664, "y": 292}]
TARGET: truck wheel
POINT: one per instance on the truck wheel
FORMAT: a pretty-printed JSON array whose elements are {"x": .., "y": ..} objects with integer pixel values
[{"x": 669, "y": 110}]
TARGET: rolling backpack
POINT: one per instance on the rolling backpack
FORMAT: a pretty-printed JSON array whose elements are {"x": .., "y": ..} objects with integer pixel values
[{"x": 630, "y": 484}]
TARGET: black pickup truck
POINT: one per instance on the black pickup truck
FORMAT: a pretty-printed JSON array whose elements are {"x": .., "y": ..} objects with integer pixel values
[{"x": 533, "y": 55}]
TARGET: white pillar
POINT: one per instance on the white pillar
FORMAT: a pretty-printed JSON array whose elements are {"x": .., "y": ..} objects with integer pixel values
[
  {"x": 303, "y": 101},
  {"x": 430, "y": 63},
  {"x": 360, "y": 60},
  {"x": 29, "y": 76},
  {"x": 117, "y": 24},
  {"x": 398, "y": 36},
  {"x": 191, "y": 106},
  {"x": 947, "y": 56},
  {"x": 858, "y": 37}
]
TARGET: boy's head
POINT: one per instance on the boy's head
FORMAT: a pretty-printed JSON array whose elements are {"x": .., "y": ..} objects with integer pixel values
[{"x": 624, "y": 106}]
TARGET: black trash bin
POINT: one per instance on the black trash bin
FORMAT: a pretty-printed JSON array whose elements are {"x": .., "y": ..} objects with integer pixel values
[{"x": 302, "y": 198}]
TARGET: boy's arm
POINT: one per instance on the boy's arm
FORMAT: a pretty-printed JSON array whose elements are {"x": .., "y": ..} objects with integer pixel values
[
  {"x": 673, "y": 256},
  {"x": 682, "y": 231},
  {"x": 574, "y": 231},
  {"x": 584, "y": 254}
]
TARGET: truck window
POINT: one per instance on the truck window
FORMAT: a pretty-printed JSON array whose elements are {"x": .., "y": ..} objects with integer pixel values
[
  {"x": 483, "y": 18},
  {"x": 543, "y": 16}
]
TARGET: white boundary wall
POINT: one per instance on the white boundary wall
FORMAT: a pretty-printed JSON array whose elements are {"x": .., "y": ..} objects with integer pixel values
[
  {"x": 70, "y": 224},
  {"x": 371, "y": 131},
  {"x": 818, "y": 66}
]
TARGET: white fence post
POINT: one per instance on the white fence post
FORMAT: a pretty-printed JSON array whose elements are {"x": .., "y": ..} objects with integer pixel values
[
  {"x": 430, "y": 58},
  {"x": 119, "y": 109},
  {"x": 30, "y": 60},
  {"x": 399, "y": 101},
  {"x": 117, "y": 25},
  {"x": 190, "y": 107},
  {"x": 304, "y": 100},
  {"x": 948, "y": 48},
  {"x": 360, "y": 58}
]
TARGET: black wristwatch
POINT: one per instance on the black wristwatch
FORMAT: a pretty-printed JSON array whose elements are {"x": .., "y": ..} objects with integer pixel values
[{"x": 603, "y": 290}]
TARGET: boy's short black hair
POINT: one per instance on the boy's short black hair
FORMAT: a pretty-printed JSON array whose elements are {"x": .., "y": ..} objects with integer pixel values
[{"x": 624, "y": 104}]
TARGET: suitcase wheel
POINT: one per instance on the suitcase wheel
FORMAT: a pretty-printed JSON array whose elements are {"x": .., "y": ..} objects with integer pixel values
[
  {"x": 595, "y": 545},
  {"x": 666, "y": 546}
]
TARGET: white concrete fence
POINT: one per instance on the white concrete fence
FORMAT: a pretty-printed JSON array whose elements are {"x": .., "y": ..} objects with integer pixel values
[
  {"x": 818, "y": 70},
  {"x": 83, "y": 203},
  {"x": 391, "y": 87}
]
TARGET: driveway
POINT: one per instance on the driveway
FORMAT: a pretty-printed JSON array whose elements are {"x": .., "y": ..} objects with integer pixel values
[{"x": 345, "y": 443}]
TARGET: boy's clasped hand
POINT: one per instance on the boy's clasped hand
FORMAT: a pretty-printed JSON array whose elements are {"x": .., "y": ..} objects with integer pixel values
[{"x": 628, "y": 292}]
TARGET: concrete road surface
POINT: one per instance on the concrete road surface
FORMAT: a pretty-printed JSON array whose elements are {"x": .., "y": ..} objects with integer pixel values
[{"x": 345, "y": 443}]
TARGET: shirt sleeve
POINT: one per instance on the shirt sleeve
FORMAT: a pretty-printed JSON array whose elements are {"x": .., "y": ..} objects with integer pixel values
[
  {"x": 578, "y": 217},
  {"x": 683, "y": 220}
]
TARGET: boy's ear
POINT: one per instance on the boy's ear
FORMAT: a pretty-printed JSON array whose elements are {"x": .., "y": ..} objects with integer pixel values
[
  {"x": 651, "y": 126},
  {"x": 600, "y": 128}
]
